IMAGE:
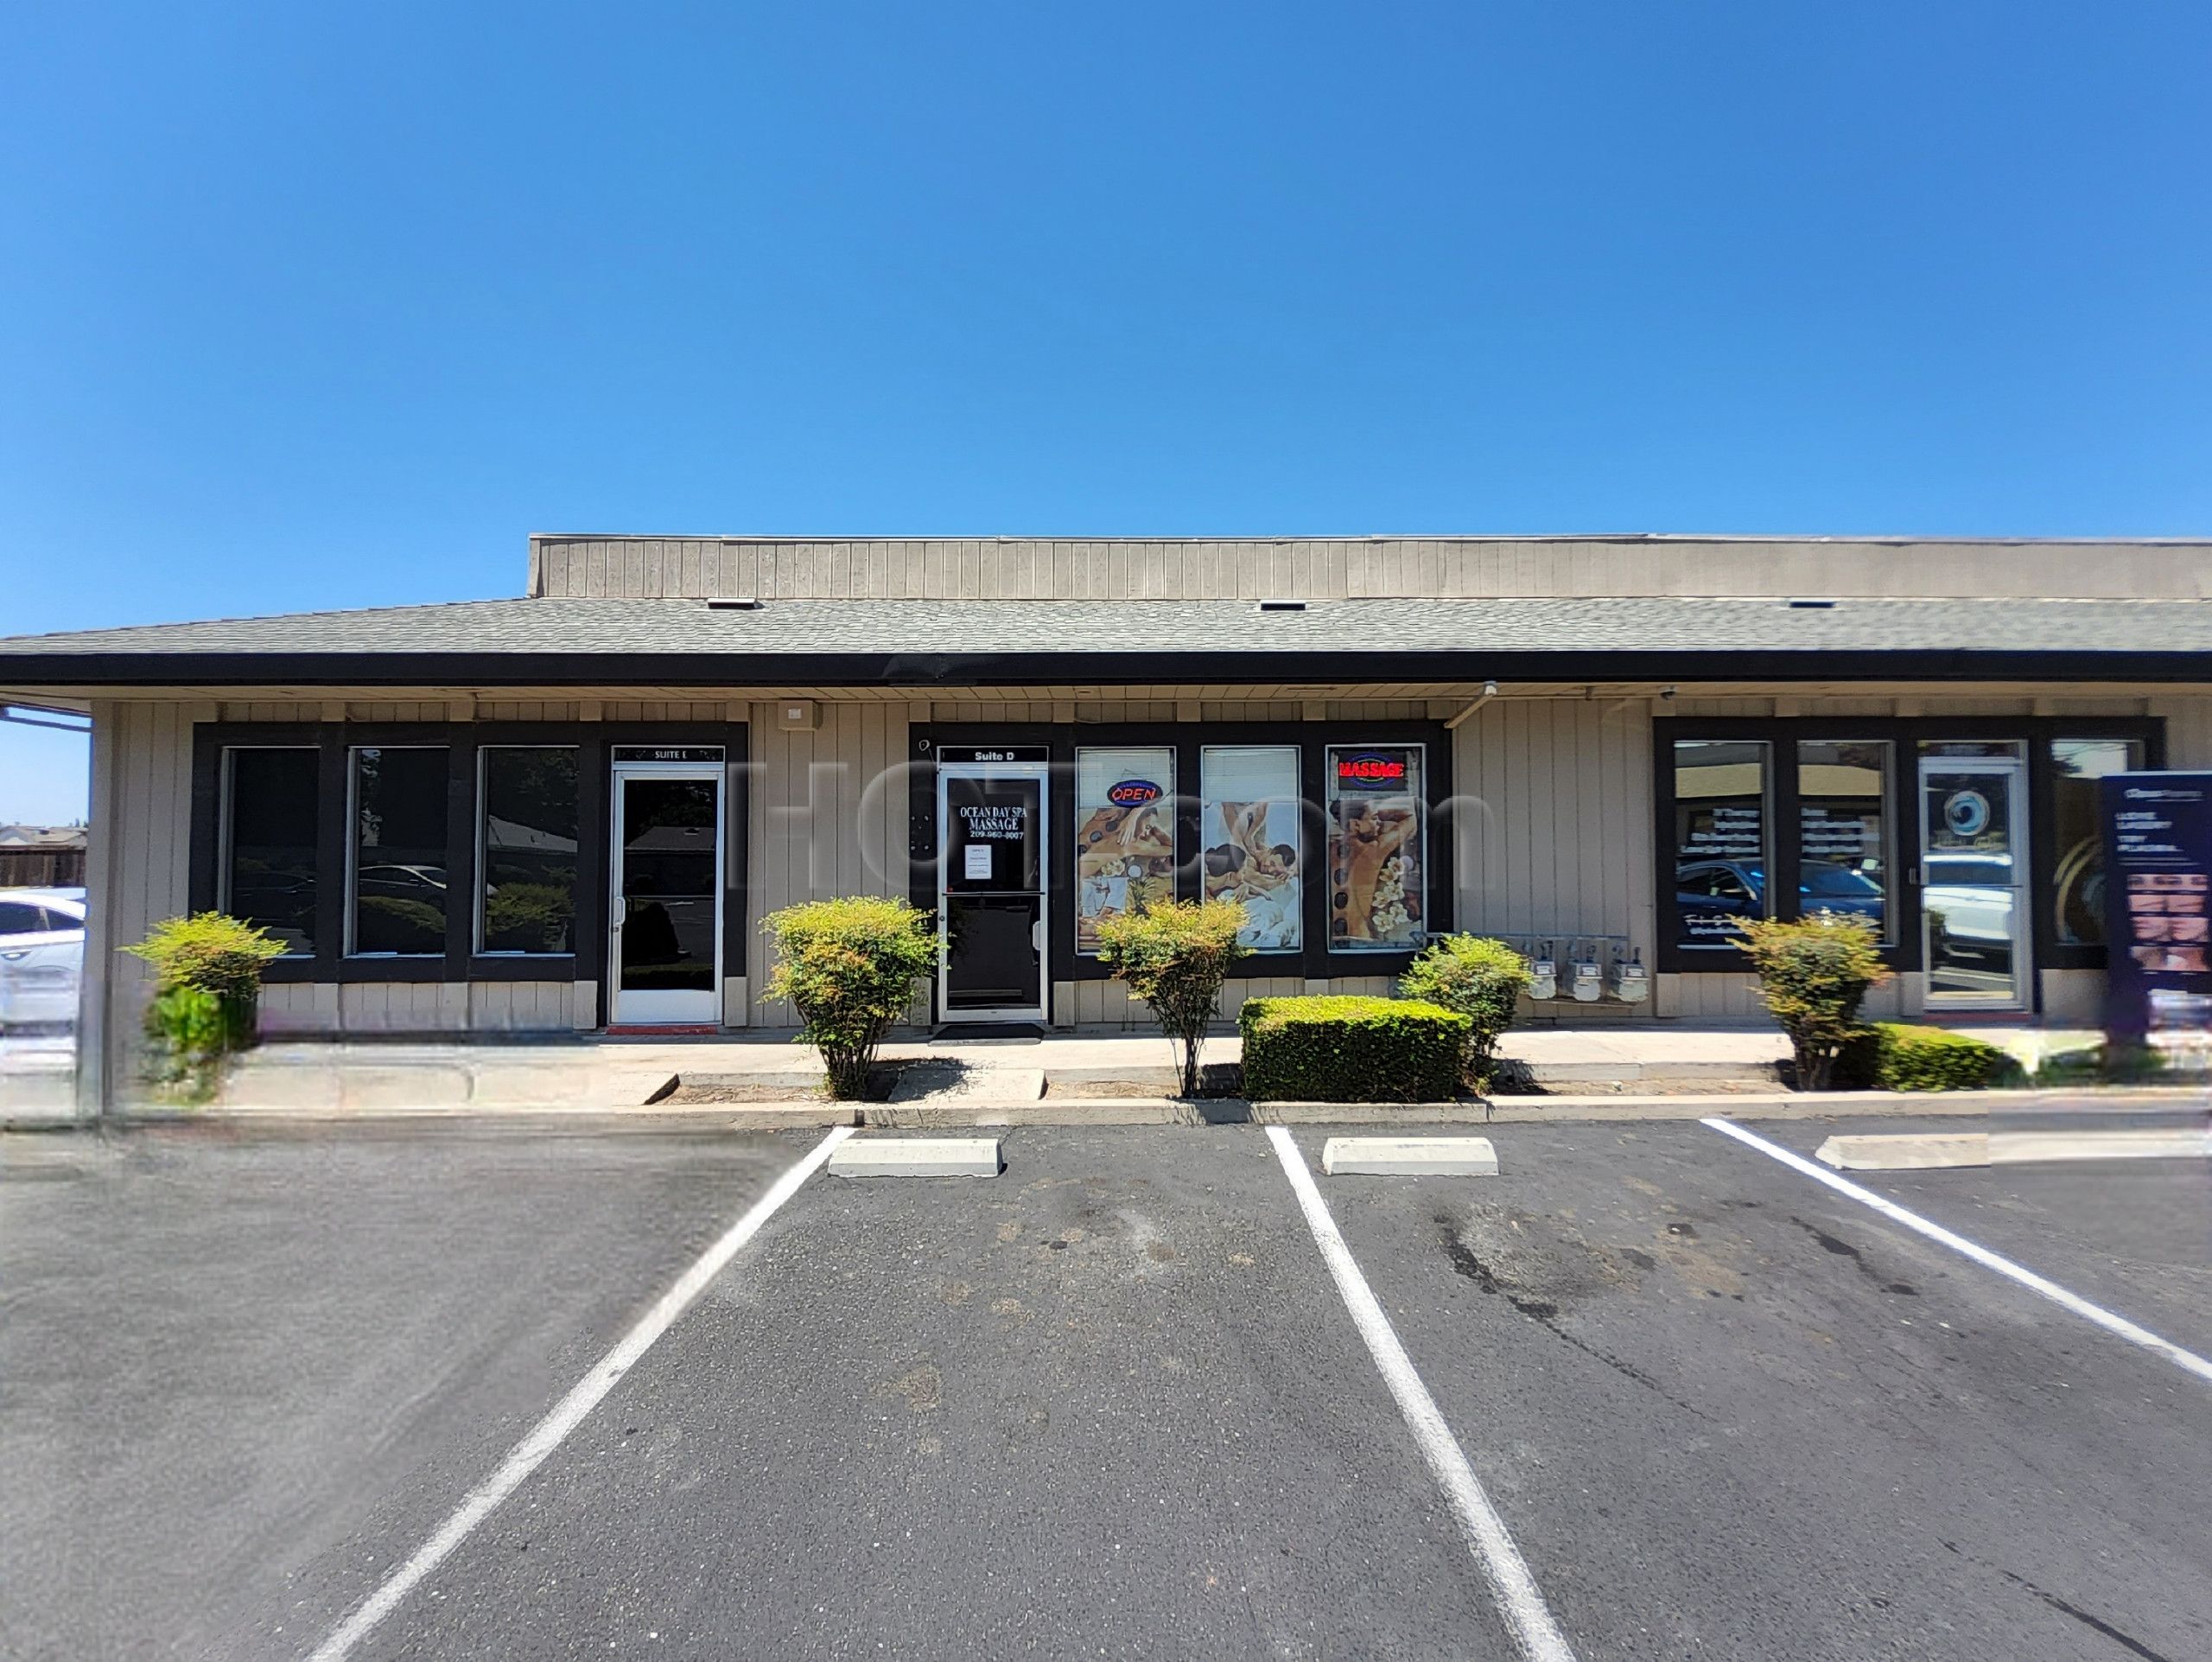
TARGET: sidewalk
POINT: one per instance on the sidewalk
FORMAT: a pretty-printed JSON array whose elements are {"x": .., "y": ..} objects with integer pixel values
[{"x": 1077, "y": 1074}]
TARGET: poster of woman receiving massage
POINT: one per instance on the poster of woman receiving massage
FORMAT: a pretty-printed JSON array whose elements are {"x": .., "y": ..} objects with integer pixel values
[{"x": 1248, "y": 829}]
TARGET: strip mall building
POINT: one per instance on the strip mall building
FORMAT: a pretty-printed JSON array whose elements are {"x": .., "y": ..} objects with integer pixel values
[{"x": 571, "y": 811}]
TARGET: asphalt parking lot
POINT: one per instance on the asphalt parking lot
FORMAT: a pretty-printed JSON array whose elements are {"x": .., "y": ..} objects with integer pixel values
[{"x": 1109, "y": 1403}]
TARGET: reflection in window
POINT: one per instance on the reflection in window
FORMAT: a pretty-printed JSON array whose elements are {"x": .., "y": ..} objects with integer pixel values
[
  {"x": 1378, "y": 852},
  {"x": 527, "y": 836},
  {"x": 1248, "y": 829},
  {"x": 2078, "y": 887},
  {"x": 1720, "y": 837},
  {"x": 1843, "y": 829},
  {"x": 1124, "y": 835},
  {"x": 398, "y": 899},
  {"x": 268, "y": 859}
]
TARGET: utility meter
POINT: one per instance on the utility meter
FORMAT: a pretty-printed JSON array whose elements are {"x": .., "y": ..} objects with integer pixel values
[
  {"x": 1631, "y": 984},
  {"x": 1544, "y": 970},
  {"x": 1585, "y": 976}
]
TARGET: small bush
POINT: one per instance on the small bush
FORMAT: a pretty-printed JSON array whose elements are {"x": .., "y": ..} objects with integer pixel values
[
  {"x": 1899, "y": 1056},
  {"x": 210, "y": 951},
  {"x": 206, "y": 994},
  {"x": 1482, "y": 980},
  {"x": 2105, "y": 1064},
  {"x": 1351, "y": 1049},
  {"x": 850, "y": 967},
  {"x": 1176, "y": 956},
  {"x": 1813, "y": 973}
]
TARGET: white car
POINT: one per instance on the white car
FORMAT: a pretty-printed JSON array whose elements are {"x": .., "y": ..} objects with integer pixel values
[
  {"x": 1972, "y": 895},
  {"x": 41, "y": 955}
]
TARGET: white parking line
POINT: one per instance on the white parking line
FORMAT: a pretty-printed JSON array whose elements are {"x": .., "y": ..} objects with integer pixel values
[
  {"x": 2187, "y": 1359},
  {"x": 569, "y": 1412},
  {"x": 1513, "y": 1587}
]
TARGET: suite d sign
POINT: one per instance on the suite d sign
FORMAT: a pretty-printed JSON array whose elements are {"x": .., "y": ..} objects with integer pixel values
[{"x": 2158, "y": 833}]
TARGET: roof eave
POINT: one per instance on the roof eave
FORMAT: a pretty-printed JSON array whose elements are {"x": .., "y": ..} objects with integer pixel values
[{"x": 924, "y": 670}]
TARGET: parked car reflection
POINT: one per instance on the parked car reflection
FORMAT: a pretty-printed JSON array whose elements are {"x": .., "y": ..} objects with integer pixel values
[
  {"x": 41, "y": 957},
  {"x": 1969, "y": 900},
  {"x": 1708, "y": 893}
]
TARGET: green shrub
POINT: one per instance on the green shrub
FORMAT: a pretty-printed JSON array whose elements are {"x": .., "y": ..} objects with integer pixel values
[
  {"x": 210, "y": 951},
  {"x": 1813, "y": 973},
  {"x": 1351, "y": 1049},
  {"x": 2105, "y": 1064},
  {"x": 1480, "y": 978},
  {"x": 1899, "y": 1056},
  {"x": 850, "y": 967},
  {"x": 206, "y": 994},
  {"x": 1176, "y": 956}
]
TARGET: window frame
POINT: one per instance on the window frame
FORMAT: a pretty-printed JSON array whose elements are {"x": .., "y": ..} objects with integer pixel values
[
  {"x": 1723, "y": 949},
  {"x": 1075, "y": 852},
  {"x": 1314, "y": 961},
  {"x": 226, "y": 830},
  {"x": 481, "y": 866},
  {"x": 460, "y": 963},
  {"x": 1308, "y": 868},
  {"x": 350, "y": 948},
  {"x": 1906, "y": 735},
  {"x": 1892, "y": 806}
]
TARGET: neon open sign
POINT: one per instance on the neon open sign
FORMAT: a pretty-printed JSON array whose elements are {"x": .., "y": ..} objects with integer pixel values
[
  {"x": 1132, "y": 794},
  {"x": 1372, "y": 772}
]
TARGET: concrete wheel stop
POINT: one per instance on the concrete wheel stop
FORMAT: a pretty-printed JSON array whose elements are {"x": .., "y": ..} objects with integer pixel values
[
  {"x": 917, "y": 1156},
  {"x": 1409, "y": 1156}
]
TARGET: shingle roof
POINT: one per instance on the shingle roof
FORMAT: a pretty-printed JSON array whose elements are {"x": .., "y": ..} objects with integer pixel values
[{"x": 703, "y": 642}]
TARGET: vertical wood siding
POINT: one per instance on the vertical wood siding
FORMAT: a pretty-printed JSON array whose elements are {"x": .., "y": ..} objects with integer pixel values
[
  {"x": 1016, "y": 569},
  {"x": 137, "y": 872},
  {"x": 827, "y": 817}
]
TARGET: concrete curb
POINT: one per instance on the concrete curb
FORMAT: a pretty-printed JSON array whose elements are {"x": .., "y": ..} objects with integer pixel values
[{"x": 1144, "y": 1111}]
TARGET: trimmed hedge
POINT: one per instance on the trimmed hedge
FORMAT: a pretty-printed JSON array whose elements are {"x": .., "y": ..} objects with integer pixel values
[
  {"x": 1481, "y": 978},
  {"x": 1898, "y": 1056},
  {"x": 1351, "y": 1049}
]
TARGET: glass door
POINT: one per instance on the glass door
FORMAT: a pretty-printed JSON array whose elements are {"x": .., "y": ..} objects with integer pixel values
[
  {"x": 1973, "y": 880},
  {"x": 991, "y": 866},
  {"x": 665, "y": 915}
]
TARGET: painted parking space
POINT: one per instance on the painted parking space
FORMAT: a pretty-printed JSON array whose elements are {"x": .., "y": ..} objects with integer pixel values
[
  {"x": 241, "y": 1375},
  {"x": 1749, "y": 1418},
  {"x": 1116, "y": 1399},
  {"x": 2133, "y": 1236},
  {"x": 1106, "y": 1404}
]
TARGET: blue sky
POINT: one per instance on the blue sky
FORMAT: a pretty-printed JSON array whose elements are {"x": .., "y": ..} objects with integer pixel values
[{"x": 311, "y": 307}]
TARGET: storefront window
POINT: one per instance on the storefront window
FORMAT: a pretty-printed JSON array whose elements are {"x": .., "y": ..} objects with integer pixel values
[
  {"x": 397, "y": 898},
  {"x": 271, "y": 820},
  {"x": 1720, "y": 837},
  {"x": 1124, "y": 836},
  {"x": 1378, "y": 852},
  {"x": 1248, "y": 829},
  {"x": 526, "y": 831},
  {"x": 1843, "y": 829},
  {"x": 2078, "y": 896}
]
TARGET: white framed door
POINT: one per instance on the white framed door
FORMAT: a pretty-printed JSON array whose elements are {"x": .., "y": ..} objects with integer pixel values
[
  {"x": 993, "y": 888},
  {"x": 664, "y": 894},
  {"x": 1974, "y": 881}
]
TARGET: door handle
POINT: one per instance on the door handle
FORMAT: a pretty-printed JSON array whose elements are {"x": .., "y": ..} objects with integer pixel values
[
  {"x": 16, "y": 958},
  {"x": 620, "y": 908}
]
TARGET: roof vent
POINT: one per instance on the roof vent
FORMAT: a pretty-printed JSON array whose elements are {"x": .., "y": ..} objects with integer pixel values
[
  {"x": 1283, "y": 606},
  {"x": 1812, "y": 605},
  {"x": 734, "y": 603}
]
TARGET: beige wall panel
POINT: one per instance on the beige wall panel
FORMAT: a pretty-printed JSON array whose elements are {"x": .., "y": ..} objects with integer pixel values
[
  {"x": 138, "y": 874},
  {"x": 1203, "y": 568},
  {"x": 2188, "y": 729},
  {"x": 827, "y": 817}
]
